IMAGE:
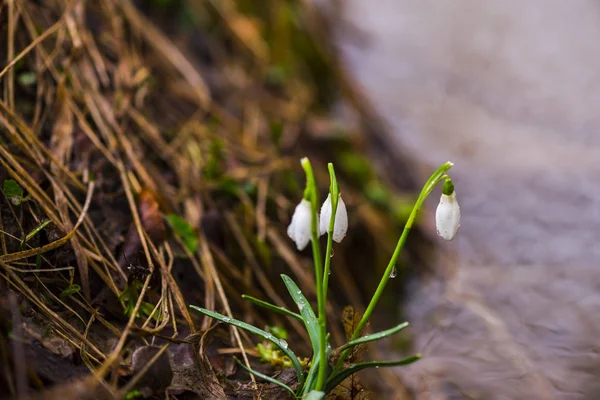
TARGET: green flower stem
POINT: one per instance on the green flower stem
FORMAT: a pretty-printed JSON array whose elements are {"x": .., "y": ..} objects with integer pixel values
[
  {"x": 435, "y": 178},
  {"x": 335, "y": 194},
  {"x": 311, "y": 194}
]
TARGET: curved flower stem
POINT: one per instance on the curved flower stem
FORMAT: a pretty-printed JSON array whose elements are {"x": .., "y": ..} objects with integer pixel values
[
  {"x": 311, "y": 194},
  {"x": 435, "y": 178}
]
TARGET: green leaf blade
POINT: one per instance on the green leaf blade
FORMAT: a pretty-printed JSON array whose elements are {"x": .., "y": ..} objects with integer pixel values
[
  {"x": 375, "y": 336},
  {"x": 308, "y": 315},
  {"x": 272, "y": 307},
  {"x": 259, "y": 332},
  {"x": 34, "y": 232},
  {"x": 336, "y": 379}
]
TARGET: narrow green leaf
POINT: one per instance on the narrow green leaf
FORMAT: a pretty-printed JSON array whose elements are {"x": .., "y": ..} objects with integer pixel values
[
  {"x": 265, "y": 377},
  {"x": 374, "y": 336},
  {"x": 27, "y": 78},
  {"x": 13, "y": 191},
  {"x": 336, "y": 379},
  {"x": 34, "y": 232},
  {"x": 311, "y": 378},
  {"x": 308, "y": 315},
  {"x": 272, "y": 307},
  {"x": 133, "y": 394},
  {"x": 184, "y": 230},
  {"x": 71, "y": 290},
  {"x": 281, "y": 344}
]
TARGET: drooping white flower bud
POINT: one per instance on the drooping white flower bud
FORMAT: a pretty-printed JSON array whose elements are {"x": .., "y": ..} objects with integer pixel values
[
  {"x": 340, "y": 226},
  {"x": 300, "y": 227},
  {"x": 447, "y": 215}
]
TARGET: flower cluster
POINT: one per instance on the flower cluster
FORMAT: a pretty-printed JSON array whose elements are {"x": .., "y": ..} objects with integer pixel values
[
  {"x": 447, "y": 218},
  {"x": 299, "y": 229},
  {"x": 307, "y": 225}
]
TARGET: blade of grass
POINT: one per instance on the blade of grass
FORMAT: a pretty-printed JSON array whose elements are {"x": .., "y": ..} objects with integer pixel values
[
  {"x": 374, "y": 336},
  {"x": 34, "y": 232},
  {"x": 265, "y": 377},
  {"x": 259, "y": 332},
  {"x": 311, "y": 377},
  {"x": 272, "y": 307},
  {"x": 308, "y": 315},
  {"x": 336, "y": 379}
]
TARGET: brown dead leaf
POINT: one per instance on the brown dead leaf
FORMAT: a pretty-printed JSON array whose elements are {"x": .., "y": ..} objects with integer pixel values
[
  {"x": 349, "y": 389},
  {"x": 350, "y": 320},
  {"x": 209, "y": 381},
  {"x": 61, "y": 142},
  {"x": 153, "y": 224},
  {"x": 159, "y": 375},
  {"x": 248, "y": 32},
  {"x": 152, "y": 220}
]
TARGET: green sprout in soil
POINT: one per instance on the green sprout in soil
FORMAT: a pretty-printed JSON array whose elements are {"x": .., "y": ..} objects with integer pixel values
[
  {"x": 13, "y": 191},
  {"x": 184, "y": 230},
  {"x": 268, "y": 353},
  {"x": 130, "y": 296},
  {"x": 323, "y": 373}
]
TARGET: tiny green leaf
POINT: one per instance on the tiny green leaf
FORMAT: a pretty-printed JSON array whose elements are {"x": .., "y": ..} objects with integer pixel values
[
  {"x": 272, "y": 307},
  {"x": 279, "y": 332},
  {"x": 71, "y": 290},
  {"x": 27, "y": 78},
  {"x": 133, "y": 394},
  {"x": 13, "y": 191},
  {"x": 184, "y": 230}
]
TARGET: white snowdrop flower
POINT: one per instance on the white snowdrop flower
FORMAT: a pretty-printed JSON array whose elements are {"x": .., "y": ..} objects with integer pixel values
[
  {"x": 300, "y": 227},
  {"x": 340, "y": 226},
  {"x": 447, "y": 215}
]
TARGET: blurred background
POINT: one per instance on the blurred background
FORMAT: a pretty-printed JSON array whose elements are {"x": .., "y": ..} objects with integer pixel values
[{"x": 510, "y": 92}]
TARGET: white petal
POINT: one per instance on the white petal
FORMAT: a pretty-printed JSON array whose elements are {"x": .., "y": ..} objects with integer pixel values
[
  {"x": 447, "y": 216},
  {"x": 340, "y": 226},
  {"x": 341, "y": 222},
  {"x": 325, "y": 217},
  {"x": 299, "y": 228}
]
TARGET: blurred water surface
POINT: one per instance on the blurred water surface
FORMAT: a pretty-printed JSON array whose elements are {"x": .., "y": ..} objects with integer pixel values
[{"x": 509, "y": 91}]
